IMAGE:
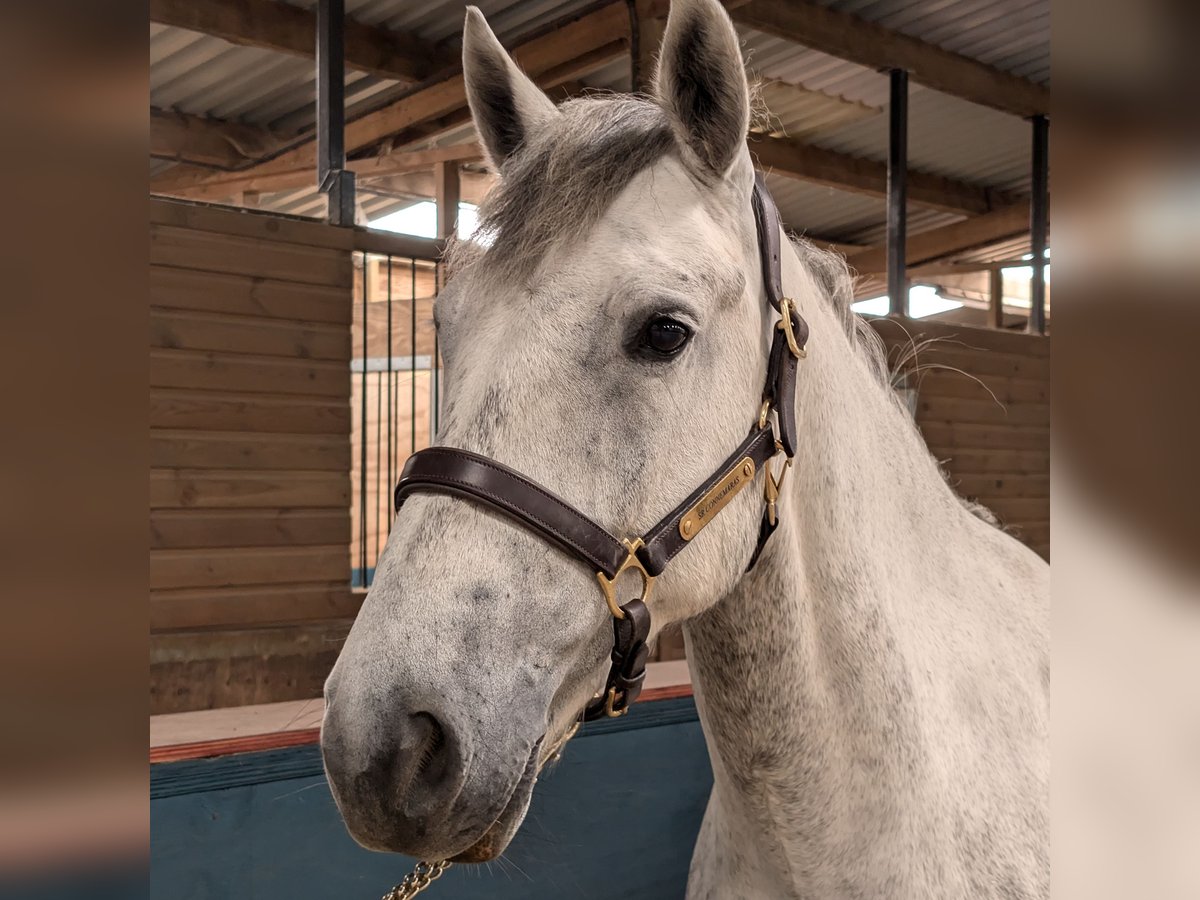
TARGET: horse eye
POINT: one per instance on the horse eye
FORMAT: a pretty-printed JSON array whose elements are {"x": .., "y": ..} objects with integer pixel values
[{"x": 665, "y": 336}]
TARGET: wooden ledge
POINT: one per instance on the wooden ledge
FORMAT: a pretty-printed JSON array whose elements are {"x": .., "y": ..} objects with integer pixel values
[{"x": 272, "y": 726}]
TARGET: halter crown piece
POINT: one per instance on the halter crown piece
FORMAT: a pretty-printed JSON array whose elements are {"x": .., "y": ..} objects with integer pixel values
[{"x": 477, "y": 478}]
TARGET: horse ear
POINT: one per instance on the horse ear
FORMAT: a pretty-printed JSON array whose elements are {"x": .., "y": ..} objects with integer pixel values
[
  {"x": 505, "y": 104},
  {"x": 701, "y": 82}
]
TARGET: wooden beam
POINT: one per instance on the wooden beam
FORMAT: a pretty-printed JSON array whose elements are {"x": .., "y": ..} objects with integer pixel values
[
  {"x": 202, "y": 184},
  {"x": 563, "y": 54},
  {"x": 208, "y": 142},
  {"x": 807, "y": 162},
  {"x": 868, "y": 44},
  {"x": 474, "y": 186},
  {"x": 949, "y": 239},
  {"x": 996, "y": 298},
  {"x": 287, "y": 29}
]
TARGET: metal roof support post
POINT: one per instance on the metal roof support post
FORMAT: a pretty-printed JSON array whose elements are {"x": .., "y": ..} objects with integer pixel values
[
  {"x": 1039, "y": 223},
  {"x": 897, "y": 194},
  {"x": 332, "y": 178}
]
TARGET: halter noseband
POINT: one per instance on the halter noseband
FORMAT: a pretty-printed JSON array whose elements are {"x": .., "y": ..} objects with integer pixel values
[{"x": 464, "y": 474}]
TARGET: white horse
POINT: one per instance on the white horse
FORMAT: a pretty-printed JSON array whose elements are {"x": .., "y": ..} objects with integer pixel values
[{"x": 873, "y": 693}]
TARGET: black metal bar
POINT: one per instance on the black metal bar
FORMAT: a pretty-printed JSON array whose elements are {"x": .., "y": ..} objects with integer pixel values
[
  {"x": 1039, "y": 223},
  {"x": 897, "y": 197},
  {"x": 332, "y": 178},
  {"x": 412, "y": 407},
  {"x": 436, "y": 411},
  {"x": 378, "y": 460},
  {"x": 362, "y": 438},
  {"x": 391, "y": 400}
]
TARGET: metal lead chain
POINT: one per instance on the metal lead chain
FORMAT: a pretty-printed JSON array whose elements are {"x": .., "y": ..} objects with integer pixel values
[{"x": 421, "y": 877}]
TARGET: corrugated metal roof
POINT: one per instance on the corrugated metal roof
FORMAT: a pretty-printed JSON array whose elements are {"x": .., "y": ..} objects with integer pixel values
[
  {"x": 207, "y": 76},
  {"x": 1012, "y": 35}
]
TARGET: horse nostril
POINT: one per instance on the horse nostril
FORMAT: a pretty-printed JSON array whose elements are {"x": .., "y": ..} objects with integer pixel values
[{"x": 429, "y": 747}]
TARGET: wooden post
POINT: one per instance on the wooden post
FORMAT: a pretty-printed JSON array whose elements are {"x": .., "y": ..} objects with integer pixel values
[
  {"x": 996, "y": 297},
  {"x": 646, "y": 34},
  {"x": 446, "y": 185}
]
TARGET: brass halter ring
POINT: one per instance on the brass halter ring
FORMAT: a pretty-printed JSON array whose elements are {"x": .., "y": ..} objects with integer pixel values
[{"x": 608, "y": 585}]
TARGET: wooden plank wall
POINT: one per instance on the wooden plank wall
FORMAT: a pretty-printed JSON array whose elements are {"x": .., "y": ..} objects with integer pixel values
[
  {"x": 988, "y": 422},
  {"x": 250, "y": 452}
]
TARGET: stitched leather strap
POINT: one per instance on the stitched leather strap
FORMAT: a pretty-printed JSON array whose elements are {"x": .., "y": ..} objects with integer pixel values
[
  {"x": 662, "y": 542},
  {"x": 780, "y": 387},
  {"x": 450, "y": 471},
  {"x": 627, "y": 672}
]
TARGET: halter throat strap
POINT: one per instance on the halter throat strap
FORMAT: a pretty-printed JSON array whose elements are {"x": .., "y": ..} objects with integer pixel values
[{"x": 468, "y": 475}]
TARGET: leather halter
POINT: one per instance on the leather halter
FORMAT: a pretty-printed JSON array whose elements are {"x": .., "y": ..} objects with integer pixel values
[{"x": 464, "y": 474}]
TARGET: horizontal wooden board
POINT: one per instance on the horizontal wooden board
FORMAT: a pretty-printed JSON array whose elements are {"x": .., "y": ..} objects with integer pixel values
[
  {"x": 999, "y": 462},
  {"x": 944, "y": 383},
  {"x": 1030, "y": 532},
  {"x": 267, "y": 527},
  {"x": 232, "y": 567},
  {"x": 205, "y": 668},
  {"x": 1021, "y": 509},
  {"x": 992, "y": 486},
  {"x": 248, "y": 223},
  {"x": 902, "y": 332},
  {"x": 226, "y": 488},
  {"x": 243, "y": 295},
  {"x": 952, "y": 410},
  {"x": 223, "y": 411},
  {"x": 182, "y": 449},
  {"x": 985, "y": 364},
  {"x": 241, "y": 606},
  {"x": 210, "y": 371},
  {"x": 944, "y": 439},
  {"x": 240, "y": 255},
  {"x": 179, "y": 330}
]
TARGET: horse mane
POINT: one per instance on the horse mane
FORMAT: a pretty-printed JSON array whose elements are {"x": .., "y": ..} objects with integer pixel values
[{"x": 836, "y": 282}]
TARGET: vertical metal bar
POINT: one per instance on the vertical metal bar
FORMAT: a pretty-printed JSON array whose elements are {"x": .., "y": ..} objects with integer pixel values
[
  {"x": 436, "y": 412},
  {"x": 1039, "y": 223},
  {"x": 412, "y": 403},
  {"x": 332, "y": 178},
  {"x": 391, "y": 403},
  {"x": 362, "y": 438},
  {"x": 378, "y": 458},
  {"x": 897, "y": 197}
]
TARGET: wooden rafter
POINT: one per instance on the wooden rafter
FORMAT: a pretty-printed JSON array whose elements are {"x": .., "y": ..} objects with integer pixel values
[
  {"x": 201, "y": 184},
  {"x": 554, "y": 58},
  {"x": 957, "y": 237},
  {"x": 866, "y": 43},
  {"x": 808, "y": 162},
  {"x": 208, "y": 142},
  {"x": 287, "y": 29}
]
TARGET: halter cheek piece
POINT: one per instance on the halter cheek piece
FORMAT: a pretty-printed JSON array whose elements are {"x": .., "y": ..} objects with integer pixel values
[{"x": 471, "y": 476}]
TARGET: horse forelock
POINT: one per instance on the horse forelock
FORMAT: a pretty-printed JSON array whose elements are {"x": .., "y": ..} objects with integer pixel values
[{"x": 558, "y": 184}]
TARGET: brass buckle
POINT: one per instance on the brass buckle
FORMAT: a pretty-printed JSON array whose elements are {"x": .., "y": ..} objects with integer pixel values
[
  {"x": 763, "y": 413},
  {"x": 608, "y": 585},
  {"x": 785, "y": 325},
  {"x": 610, "y": 702},
  {"x": 772, "y": 484}
]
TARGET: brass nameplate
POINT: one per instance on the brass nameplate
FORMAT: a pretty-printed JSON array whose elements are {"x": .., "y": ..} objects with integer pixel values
[{"x": 714, "y": 501}]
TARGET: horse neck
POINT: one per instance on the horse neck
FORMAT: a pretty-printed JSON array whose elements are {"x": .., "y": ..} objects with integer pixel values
[{"x": 801, "y": 672}]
